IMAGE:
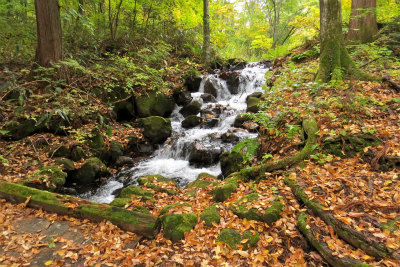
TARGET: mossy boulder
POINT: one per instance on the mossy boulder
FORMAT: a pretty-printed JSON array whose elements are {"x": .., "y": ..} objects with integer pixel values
[
  {"x": 192, "y": 82},
  {"x": 65, "y": 164},
  {"x": 182, "y": 97},
  {"x": 269, "y": 216},
  {"x": 49, "y": 178},
  {"x": 115, "y": 151},
  {"x": 156, "y": 129},
  {"x": 120, "y": 202},
  {"x": 224, "y": 191},
  {"x": 309, "y": 54},
  {"x": 77, "y": 153},
  {"x": 16, "y": 130},
  {"x": 231, "y": 162},
  {"x": 158, "y": 183},
  {"x": 200, "y": 183},
  {"x": 137, "y": 191},
  {"x": 209, "y": 88},
  {"x": 96, "y": 140},
  {"x": 60, "y": 151},
  {"x": 176, "y": 225},
  {"x": 210, "y": 215},
  {"x": 154, "y": 104},
  {"x": 252, "y": 104},
  {"x": 167, "y": 208},
  {"x": 193, "y": 108},
  {"x": 240, "y": 120},
  {"x": 191, "y": 121},
  {"x": 234, "y": 239},
  {"x": 93, "y": 169}
]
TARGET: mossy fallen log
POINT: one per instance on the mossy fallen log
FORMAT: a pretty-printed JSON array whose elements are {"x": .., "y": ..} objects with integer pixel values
[
  {"x": 136, "y": 222},
  {"x": 309, "y": 231},
  {"x": 311, "y": 129},
  {"x": 348, "y": 234}
]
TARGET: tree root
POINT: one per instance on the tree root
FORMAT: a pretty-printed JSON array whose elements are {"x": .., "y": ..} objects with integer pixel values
[
  {"x": 348, "y": 234},
  {"x": 323, "y": 249},
  {"x": 392, "y": 83},
  {"x": 310, "y": 128}
]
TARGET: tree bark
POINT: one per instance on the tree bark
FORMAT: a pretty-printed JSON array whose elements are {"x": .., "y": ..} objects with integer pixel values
[
  {"x": 335, "y": 62},
  {"x": 49, "y": 33},
  {"x": 363, "y": 26},
  {"x": 206, "y": 32}
]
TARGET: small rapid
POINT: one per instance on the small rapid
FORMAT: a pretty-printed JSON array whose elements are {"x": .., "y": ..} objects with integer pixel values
[{"x": 172, "y": 159}]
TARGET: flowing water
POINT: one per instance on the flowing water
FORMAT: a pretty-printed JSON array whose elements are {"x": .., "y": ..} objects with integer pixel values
[{"x": 171, "y": 160}]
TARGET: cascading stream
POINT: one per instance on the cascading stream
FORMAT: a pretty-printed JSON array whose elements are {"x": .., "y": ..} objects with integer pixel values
[{"x": 171, "y": 160}]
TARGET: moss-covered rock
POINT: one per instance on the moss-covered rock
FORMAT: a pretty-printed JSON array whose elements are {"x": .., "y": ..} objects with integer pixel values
[
  {"x": 210, "y": 215},
  {"x": 200, "y": 183},
  {"x": 156, "y": 129},
  {"x": 125, "y": 109},
  {"x": 240, "y": 120},
  {"x": 155, "y": 182},
  {"x": 154, "y": 104},
  {"x": 65, "y": 164},
  {"x": 176, "y": 225},
  {"x": 269, "y": 216},
  {"x": 233, "y": 238},
  {"x": 115, "y": 151},
  {"x": 96, "y": 140},
  {"x": 167, "y": 208},
  {"x": 252, "y": 104},
  {"x": 231, "y": 162},
  {"x": 224, "y": 191},
  {"x": 247, "y": 146},
  {"x": 50, "y": 178},
  {"x": 351, "y": 145},
  {"x": 120, "y": 202},
  {"x": 137, "y": 191},
  {"x": 93, "y": 169},
  {"x": 16, "y": 130},
  {"x": 209, "y": 88},
  {"x": 191, "y": 121},
  {"x": 59, "y": 151},
  {"x": 77, "y": 153}
]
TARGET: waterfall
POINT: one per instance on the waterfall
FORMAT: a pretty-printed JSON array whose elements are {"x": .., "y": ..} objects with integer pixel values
[{"x": 171, "y": 160}]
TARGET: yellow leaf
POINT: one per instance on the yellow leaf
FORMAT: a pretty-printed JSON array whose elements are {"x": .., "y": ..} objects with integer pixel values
[{"x": 47, "y": 263}]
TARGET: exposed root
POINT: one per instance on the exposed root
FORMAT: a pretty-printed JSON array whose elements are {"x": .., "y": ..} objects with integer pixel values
[
  {"x": 392, "y": 83},
  {"x": 310, "y": 231},
  {"x": 348, "y": 234},
  {"x": 310, "y": 128}
]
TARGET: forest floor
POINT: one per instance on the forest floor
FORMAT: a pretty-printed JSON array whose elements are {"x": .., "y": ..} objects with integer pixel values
[{"x": 352, "y": 188}]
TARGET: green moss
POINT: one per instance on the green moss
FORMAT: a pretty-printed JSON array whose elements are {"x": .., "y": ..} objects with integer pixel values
[
  {"x": 154, "y": 104},
  {"x": 199, "y": 183},
  {"x": 97, "y": 140},
  {"x": 156, "y": 129},
  {"x": 49, "y": 177},
  {"x": 210, "y": 215},
  {"x": 390, "y": 225},
  {"x": 141, "y": 209},
  {"x": 352, "y": 145},
  {"x": 233, "y": 238},
  {"x": 166, "y": 209},
  {"x": 252, "y": 104},
  {"x": 120, "y": 202},
  {"x": 176, "y": 225},
  {"x": 223, "y": 192},
  {"x": 249, "y": 146},
  {"x": 134, "y": 190},
  {"x": 232, "y": 162},
  {"x": 273, "y": 213},
  {"x": 66, "y": 164},
  {"x": 148, "y": 182}
]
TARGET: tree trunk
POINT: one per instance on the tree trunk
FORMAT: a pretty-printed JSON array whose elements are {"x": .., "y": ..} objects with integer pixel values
[
  {"x": 335, "y": 62},
  {"x": 363, "y": 26},
  {"x": 80, "y": 7},
  {"x": 206, "y": 32},
  {"x": 48, "y": 22}
]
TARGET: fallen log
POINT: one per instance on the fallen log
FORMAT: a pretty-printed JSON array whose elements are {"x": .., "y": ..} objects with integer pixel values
[
  {"x": 392, "y": 83},
  {"x": 311, "y": 129},
  {"x": 138, "y": 223},
  {"x": 310, "y": 232},
  {"x": 348, "y": 234}
]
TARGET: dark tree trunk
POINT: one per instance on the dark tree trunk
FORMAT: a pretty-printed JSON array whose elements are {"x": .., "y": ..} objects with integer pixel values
[
  {"x": 80, "y": 7},
  {"x": 49, "y": 33},
  {"x": 206, "y": 32},
  {"x": 335, "y": 62},
  {"x": 363, "y": 26}
]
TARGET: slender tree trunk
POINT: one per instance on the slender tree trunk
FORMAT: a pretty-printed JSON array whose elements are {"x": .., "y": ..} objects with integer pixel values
[
  {"x": 206, "y": 32},
  {"x": 335, "y": 61},
  {"x": 363, "y": 26},
  {"x": 49, "y": 33},
  {"x": 80, "y": 7}
]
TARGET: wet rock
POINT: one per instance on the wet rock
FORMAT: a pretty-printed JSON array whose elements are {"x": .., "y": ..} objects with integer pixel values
[
  {"x": 255, "y": 94},
  {"x": 210, "y": 123},
  {"x": 251, "y": 126},
  {"x": 182, "y": 98},
  {"x": 193, "y": 83},
  {"x": 267, "y": 63},
  {"x": 252, "y": 104},
  {"x": 240, "y": 119},
  {"x": 229, "y": 137},
  {"x": 193, "y": 108},
  {"x": 156, "y": 129},
  {"x": 207, "y": 98},
  {"x": 231, "y": 162},
  {"x": 124, "y": 161},
  {"x": 202, "y": 156},
  {"x": 209, "y": 88},
  {"x": 232, "y": 80},
  {"x": 125, "y": 109},
  {"x": 191, "y": 121},
  {"x": 115, "y": 151},
  {"x": 154, "y": 104},
  {"x": 236, "y": 64},
  {"x": 92, "y": 170},
  {"x": 139, "y": 147},
  {"x": 65, "y": 164}
]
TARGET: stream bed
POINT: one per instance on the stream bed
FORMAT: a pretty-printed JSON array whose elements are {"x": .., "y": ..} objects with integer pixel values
[{"x": 173, "y": 158}]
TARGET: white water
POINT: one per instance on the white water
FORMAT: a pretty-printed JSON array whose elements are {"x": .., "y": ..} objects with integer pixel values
[{"x": 171, "y": 160}]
